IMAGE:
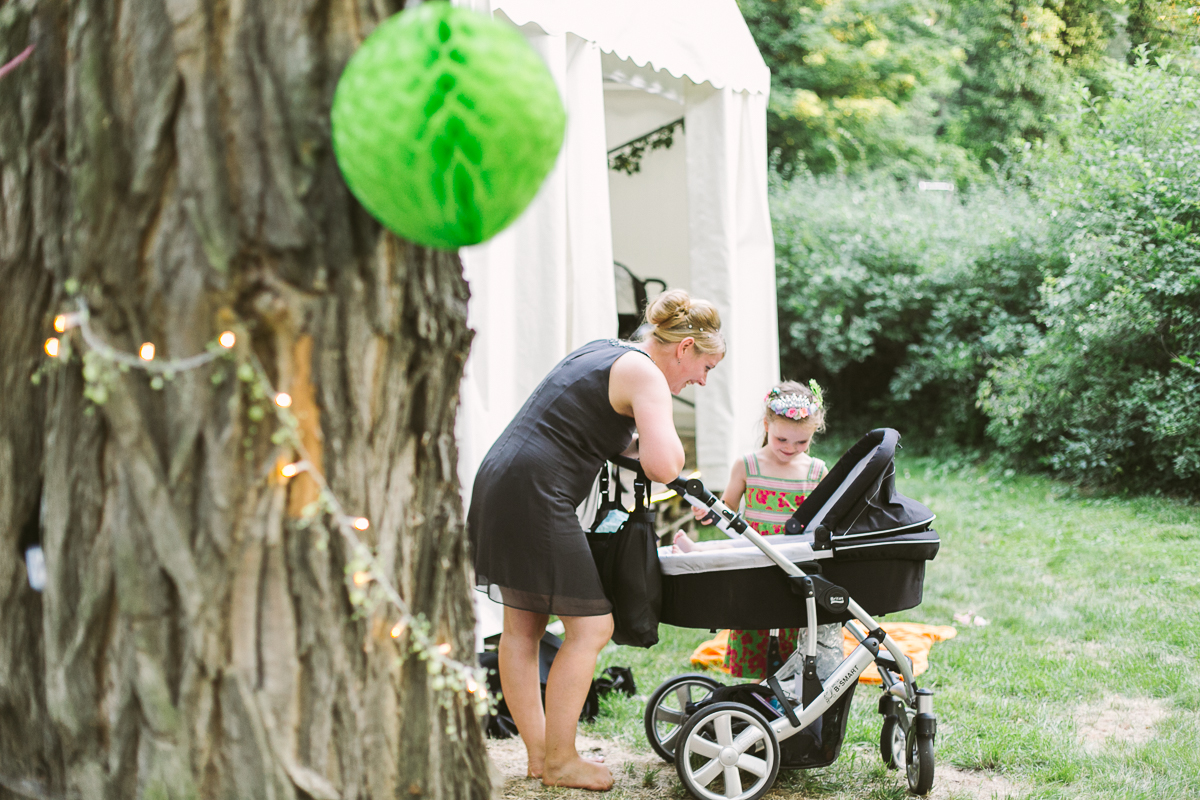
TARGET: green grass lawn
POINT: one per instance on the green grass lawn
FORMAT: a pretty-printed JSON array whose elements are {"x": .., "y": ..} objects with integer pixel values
[{"x": 1093, "y": 606}]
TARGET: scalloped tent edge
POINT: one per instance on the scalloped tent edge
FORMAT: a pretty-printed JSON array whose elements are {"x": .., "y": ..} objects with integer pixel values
[{"x": 705, "y": 41}]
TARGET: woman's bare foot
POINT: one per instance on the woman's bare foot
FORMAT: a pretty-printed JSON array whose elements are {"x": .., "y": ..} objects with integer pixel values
[
  {"x": 579, "y": 774},
  {"x": 533, "y": 771},
  {"x": 683, "y": 542}
]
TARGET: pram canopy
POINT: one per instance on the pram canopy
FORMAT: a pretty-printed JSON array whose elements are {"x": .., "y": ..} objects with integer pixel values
[
  {"x": 855, "y": 529},
  {"x": 862, "y": 514}
]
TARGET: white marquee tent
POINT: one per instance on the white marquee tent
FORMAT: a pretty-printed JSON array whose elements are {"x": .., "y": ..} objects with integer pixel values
[{"x": 695, "y": 215}]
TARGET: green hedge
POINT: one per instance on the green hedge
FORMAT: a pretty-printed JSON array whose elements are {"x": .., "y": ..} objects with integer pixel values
[
  {"x": 899, "y": 299},
  {"x": 1056, "y": 317},
  {"x": 1108, "y": 390}
]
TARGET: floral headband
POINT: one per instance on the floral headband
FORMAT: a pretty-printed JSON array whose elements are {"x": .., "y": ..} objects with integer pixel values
[{"x": 793, "y": 405}]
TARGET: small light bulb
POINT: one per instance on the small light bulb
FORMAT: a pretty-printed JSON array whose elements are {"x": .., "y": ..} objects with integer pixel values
[
  {"x": 227, "y": 339},
  {"x": 289, "y": 470},
  {"x": 60, "y": 323},
  {"x": 147, "y": 351},
  {"x": 362, "y": 578},
  {"x": 283, "y": 399},
  {"x": 444, "y": 648},
  {"x": 398, "y": 629},
  {"x": 52, "y": 347},
  {"x": 362, "y": 523},
  {"x": 472, "y": 685}
]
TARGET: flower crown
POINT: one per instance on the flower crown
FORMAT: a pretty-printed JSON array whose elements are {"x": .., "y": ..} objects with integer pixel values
[{"x": 793, "y": 405}]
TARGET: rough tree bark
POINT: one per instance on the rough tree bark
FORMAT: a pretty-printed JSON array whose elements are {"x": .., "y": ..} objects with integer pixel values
[{"x": 171, "y": 159}]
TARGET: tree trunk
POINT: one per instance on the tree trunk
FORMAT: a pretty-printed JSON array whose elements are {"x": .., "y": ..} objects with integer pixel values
[{"x": 169, "y": 161}]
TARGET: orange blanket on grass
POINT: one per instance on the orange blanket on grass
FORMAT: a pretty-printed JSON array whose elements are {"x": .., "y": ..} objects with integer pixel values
[{"x": 914, "y": 638}]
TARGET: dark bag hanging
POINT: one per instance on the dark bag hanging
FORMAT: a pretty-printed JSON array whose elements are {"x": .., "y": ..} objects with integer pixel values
[{"x": 629, "y": 571}]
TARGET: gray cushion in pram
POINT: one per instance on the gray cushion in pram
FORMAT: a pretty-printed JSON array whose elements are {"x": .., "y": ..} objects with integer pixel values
[{"x": 741, "y": 554}]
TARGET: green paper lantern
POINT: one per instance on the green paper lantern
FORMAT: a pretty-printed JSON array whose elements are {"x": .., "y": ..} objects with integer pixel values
[{"x": 445, "y": 124}]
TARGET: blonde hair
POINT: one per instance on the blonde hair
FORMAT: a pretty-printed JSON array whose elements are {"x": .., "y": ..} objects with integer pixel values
[
  {"x": 676, "y": 315},
  {"x": 793, "y": 393}
]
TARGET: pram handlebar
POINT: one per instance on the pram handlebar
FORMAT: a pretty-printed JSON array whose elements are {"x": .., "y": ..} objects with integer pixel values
[{"x": 728, "y": 521}]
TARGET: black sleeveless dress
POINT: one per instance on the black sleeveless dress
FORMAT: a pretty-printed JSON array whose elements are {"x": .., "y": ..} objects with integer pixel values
[{"x": 530, "y": 550}]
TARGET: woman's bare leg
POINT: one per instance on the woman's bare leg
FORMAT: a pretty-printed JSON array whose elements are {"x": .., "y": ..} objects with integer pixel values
[
  {"x": 521, "y": 683},
  {"x": 566, "y": 692}
]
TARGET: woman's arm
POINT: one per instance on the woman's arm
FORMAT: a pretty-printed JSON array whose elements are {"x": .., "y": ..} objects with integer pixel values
[{"x": 637, "y": 388}]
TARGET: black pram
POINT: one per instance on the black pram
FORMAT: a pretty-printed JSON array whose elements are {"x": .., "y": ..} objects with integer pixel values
[{"x": 855, "y": 548}]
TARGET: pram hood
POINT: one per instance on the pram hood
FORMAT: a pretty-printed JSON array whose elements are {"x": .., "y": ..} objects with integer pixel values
[{"x": 857, "y": 511}]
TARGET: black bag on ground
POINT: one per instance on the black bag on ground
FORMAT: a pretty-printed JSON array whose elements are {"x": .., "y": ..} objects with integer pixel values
[{"x": 629, "y": 571}]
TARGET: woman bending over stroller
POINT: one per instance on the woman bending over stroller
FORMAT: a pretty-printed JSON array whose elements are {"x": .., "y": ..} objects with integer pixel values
[
  {"x": 531, "y": 553},
  {"x": 774, "y": 480}
]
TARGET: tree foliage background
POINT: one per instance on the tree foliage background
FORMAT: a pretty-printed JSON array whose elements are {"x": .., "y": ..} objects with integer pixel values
[{"x": 1044, "y": 309}]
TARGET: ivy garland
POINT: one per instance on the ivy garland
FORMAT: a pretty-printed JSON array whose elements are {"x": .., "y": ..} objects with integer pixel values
[{"x": 627, "y": 158}]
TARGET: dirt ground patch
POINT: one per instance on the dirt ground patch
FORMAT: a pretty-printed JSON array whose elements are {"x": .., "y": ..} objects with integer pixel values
[
  {"x": 637, "y": 775},
  {"x": 1120, "y": 720},
  {"x": 642, "y": 776},
  {"x": 961, "y": 784}
]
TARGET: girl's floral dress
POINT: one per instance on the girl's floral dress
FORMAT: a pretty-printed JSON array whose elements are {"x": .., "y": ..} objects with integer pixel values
[{"x": 769, "y": 503}]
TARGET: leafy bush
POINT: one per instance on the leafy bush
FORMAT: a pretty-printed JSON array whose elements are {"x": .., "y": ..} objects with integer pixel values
[
  {"x": 1107, "y": 388},
  {"x": 899, "y": 299}
]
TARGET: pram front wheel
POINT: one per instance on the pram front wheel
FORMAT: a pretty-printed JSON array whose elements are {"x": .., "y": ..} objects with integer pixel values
[
  {"x": 727, "y": 751},
  {"x": 669, "y": 708},
  {"x": 920, "y": 764},
  {"x": 892, "y": 744}
]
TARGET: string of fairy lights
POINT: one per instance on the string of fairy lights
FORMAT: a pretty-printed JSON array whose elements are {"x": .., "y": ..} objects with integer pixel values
[{"x": 365, "y": 576}]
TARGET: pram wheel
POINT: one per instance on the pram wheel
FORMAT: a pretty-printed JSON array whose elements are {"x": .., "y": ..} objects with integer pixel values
[
  {"x": 667, "y": 710},
  {"x": 892, "y": 745},
  {"x": 727, "y": 751},
  {"x": 920, "y": 764}
]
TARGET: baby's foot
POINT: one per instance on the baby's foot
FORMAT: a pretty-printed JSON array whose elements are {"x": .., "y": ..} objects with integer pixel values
[{"x": 683, "y": 543}]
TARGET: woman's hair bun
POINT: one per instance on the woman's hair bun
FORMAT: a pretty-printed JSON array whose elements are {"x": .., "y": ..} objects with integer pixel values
[
  {"x": 675, "y": 315},
  {"x": 669, "y": 309}
]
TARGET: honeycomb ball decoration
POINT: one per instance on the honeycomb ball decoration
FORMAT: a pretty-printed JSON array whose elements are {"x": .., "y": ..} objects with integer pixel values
[{"x": 445, "y": 123}]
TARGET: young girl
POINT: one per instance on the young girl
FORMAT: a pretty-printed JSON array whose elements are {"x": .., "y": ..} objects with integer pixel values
[{"x": 774, "y": 480}]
